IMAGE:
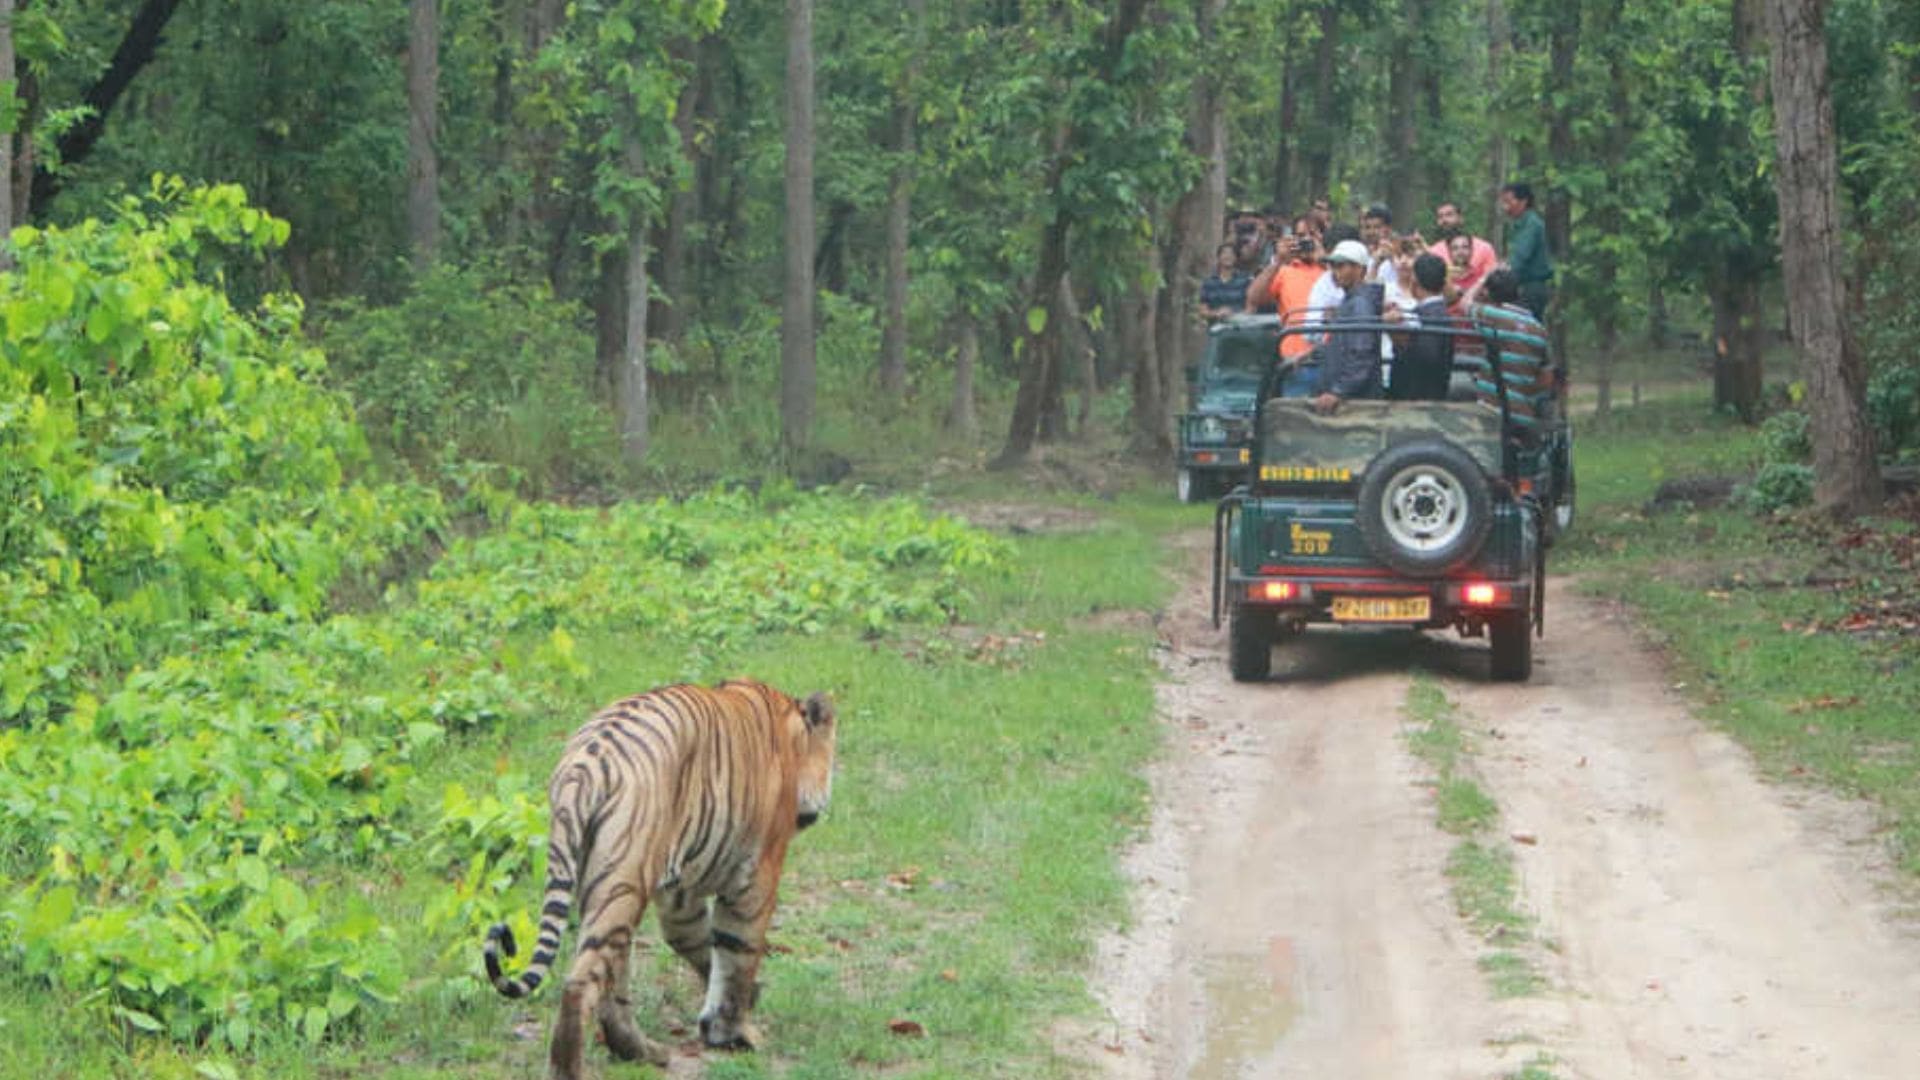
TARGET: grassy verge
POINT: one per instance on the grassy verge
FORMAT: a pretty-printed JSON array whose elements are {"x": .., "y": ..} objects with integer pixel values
[
  {"x": 988, "y": 772},
  {"x": 1480, "y": 867},
  {"x": 1799, "y": 637}
]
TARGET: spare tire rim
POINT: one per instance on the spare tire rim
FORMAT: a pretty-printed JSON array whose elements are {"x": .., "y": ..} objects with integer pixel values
[{"x": 1424, "y": 509}]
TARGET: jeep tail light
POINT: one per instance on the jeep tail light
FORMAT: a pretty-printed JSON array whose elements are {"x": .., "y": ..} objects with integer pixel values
[
  {"x": 1482, "y": 594},
  {"x": 1274, "y": 590}
]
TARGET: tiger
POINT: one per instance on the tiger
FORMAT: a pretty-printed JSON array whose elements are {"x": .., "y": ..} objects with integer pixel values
[{"x": 675, "y": 795}]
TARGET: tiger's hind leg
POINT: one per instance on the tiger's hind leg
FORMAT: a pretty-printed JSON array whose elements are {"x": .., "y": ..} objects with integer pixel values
[
  {"x": 615, "y": 1013},
  {"x": 687, "y": 924},
  {"x": 596, "y": 987}
]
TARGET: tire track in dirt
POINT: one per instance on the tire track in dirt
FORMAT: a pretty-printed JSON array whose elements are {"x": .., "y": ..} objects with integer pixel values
[{"x": 1292, "y": 917}]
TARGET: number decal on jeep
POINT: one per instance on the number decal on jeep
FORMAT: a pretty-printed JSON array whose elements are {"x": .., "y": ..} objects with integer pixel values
[
  {"x": 1309, "y": 541},
  {"x": 1306, "y": 474}
]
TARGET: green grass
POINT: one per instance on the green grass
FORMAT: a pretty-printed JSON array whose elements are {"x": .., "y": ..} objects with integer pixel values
[
  {"x": 988, "y": 772},
  {"x": 1753, "y": 612},
  {"x": 1479, "y": 870}
]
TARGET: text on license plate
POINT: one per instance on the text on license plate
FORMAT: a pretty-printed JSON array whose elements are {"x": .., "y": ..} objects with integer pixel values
[{"x": 1382, "y": 608}]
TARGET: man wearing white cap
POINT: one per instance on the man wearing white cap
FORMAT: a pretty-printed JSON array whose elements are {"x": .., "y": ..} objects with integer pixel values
[{"x": 1352, "y": 364}]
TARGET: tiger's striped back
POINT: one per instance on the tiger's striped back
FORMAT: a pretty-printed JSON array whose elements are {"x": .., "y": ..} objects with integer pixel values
[{"x": 684, "y": 790}]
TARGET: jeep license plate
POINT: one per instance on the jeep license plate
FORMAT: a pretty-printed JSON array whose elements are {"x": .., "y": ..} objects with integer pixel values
[{"x": 1382, "y": 608}]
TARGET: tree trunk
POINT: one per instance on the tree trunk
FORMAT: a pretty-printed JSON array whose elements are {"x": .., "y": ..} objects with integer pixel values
[
  {"x": 667, "y": 316},
  {"x": 1563, "y": 50},
  {"x": 423, "y": 128},
  {"x": 1436, "y": 157},
  {"x": 1187, "y": 252},
  {"x": 1846, "y": 474},
  {"x": 893, "y": 331},
  {"x": 1738, "y": 335},
  {"x": 545, "y": 205},
  {"x": 1608, "y": 218},
  {"x": 1036, "y": 366},
  {"x": 1497, "y": 41},
  {"x": 631, "y": 380},
  {"x": 1076, "y": 352},
  {"x": 796, "y": 310},
  {"x": 1403, "y": 147},
  {"x": 960, "y": 414},
  {"x": 1326, "y": 113},
  {"x": 136, "y": 50},
  {"x": 1286, "y": 155},
  {"x": 1150, "y": 412},
  {"x": 1039, "y": 390},
  {"x": 6, "y": 136}
]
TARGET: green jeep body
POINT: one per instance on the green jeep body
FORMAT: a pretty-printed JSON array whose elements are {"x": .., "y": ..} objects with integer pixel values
[
  {"x": 1427, "y": 514},
  {"x": 1216, "y": 433}
]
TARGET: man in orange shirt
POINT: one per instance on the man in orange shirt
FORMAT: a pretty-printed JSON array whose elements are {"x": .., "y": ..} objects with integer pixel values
[{"x": 1288, "y": 283}]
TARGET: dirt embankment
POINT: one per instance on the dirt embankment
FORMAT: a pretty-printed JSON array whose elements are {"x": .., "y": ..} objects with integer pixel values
[{"x": 1293, "y": 917}]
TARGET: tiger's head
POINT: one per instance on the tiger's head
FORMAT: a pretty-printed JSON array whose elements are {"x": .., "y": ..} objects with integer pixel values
[{"x": 816, "y": 757}]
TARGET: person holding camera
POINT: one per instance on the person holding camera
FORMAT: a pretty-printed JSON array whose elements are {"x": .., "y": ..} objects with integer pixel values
[{"x": 1287, "y": 284}]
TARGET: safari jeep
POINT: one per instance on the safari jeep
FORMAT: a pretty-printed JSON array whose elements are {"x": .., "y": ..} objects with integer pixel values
[
  {"x": 1216, "y": 431},
  {"x": 1422, "y": 514}
]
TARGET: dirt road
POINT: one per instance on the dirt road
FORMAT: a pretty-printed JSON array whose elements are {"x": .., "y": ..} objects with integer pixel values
[{"x": 1293, "y": 917}]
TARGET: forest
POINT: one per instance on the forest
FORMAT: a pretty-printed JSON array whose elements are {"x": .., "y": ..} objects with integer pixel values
[
  {"x": 922, "y": 209},
  {"x": 359, "y": 357}
]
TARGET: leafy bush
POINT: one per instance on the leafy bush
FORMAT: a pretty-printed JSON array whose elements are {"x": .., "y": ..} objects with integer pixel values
[
  {"x": 1893, "y": 406},
  {"x": 470, "y": 367},
  {"x": 1778, "y": 486},
  {"x": 164, "y": 457},
  {"x": 1784, "y": 438}
]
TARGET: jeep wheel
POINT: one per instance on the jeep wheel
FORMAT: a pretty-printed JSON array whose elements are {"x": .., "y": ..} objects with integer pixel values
[
  {"x": 1425, "y": 507},
  {"x": 1250, "y": 644},
  {"x": 1511, "y": 633}
]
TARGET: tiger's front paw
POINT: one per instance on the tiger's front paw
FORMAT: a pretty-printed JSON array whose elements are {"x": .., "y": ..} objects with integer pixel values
[{"x": 721, "y": 1033}]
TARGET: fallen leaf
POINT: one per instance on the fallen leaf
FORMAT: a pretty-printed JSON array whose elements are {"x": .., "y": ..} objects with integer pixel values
[
  {"x": 909, "y": 1028},
  {"x": 950, "y": 975},
  {"x": 1524, "y": 838}
]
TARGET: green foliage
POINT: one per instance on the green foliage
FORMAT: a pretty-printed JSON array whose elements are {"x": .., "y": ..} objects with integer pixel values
[
  {"x": 1784, "y": 480},
  {"x": 1778, "y": 486},
  {"x": 163, "y": 456},
  {"x": 1893, "y": 406},
  {"x": 471, "y": 367},
  {"x": 1784, "y": 438},
  {"x": 193, "y": 845}
]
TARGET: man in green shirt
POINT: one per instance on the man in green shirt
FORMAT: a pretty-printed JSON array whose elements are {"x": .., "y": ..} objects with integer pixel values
[{"x": 1527, "y": 248}]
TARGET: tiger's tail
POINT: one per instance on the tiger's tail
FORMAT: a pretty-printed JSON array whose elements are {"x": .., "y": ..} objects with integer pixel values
[{"x": 553, "y": 923}]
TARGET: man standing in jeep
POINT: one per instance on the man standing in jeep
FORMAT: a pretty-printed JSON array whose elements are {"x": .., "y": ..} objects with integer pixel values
[{"x": 1527, "y": 248}]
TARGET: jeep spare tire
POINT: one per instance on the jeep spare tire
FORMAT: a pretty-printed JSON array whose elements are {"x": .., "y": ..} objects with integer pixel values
[{"x": 1425, "y": 507}]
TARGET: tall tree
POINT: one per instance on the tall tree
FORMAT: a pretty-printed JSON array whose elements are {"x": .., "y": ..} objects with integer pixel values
[
  {"x": 1846, "y": 474},
  {"x": 796, "y": 310},
  {"x": 893, "y": 336},
  {"x": 1563, "y": 50},
  {"x": 1329, "y": 110},
  {"x": 8, "y": 105},
  {"x": 630, "y": 381},
  {"x": 1187, "y": 251},
  {"x": 1404, "y": 77},
  {"x": 136, "y": 50},
  {"x": 423, "y": 130},
  {"x": 1499, "y": 32},
  {"x": 1097, "y": 86}
]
